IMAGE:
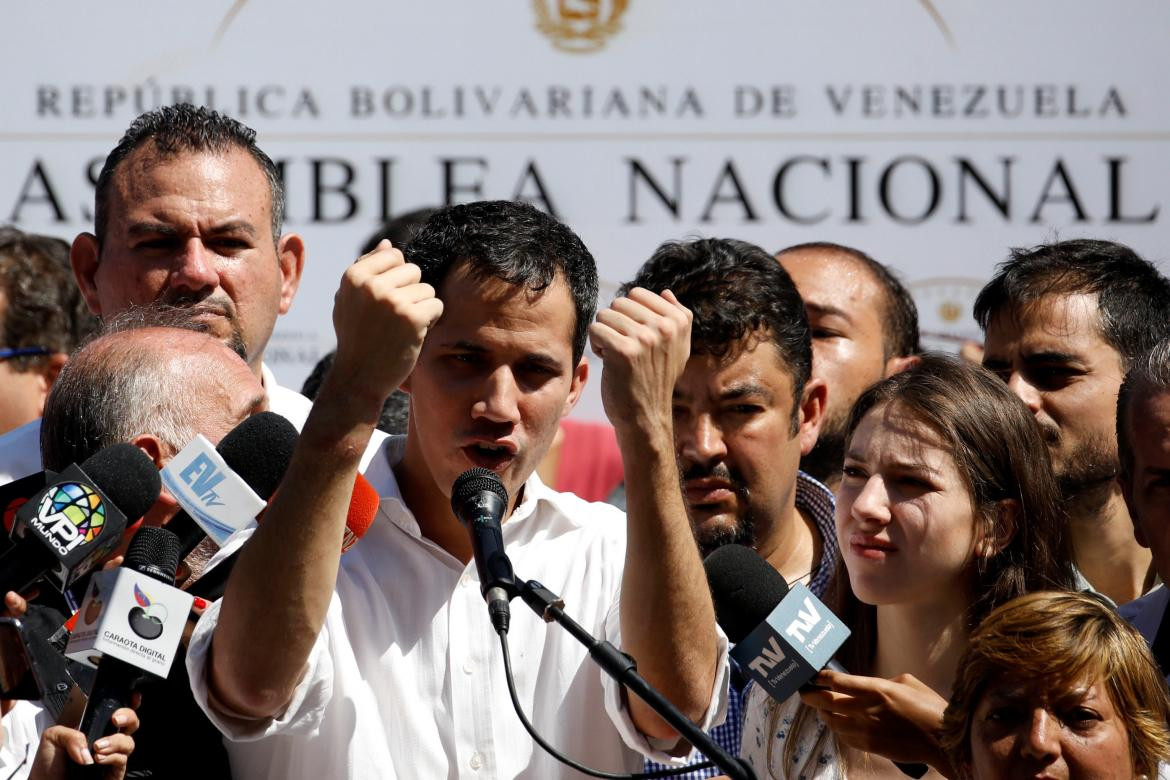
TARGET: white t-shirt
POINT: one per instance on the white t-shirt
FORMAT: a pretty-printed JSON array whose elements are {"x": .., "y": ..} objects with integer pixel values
[{"x": 406, "y": 678}]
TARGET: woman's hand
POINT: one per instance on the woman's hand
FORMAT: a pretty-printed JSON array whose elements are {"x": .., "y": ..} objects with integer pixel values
[{"x": 897, "y": 718}]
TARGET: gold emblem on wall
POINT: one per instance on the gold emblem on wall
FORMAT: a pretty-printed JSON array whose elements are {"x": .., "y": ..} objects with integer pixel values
[{"x": 579, "y": 26}]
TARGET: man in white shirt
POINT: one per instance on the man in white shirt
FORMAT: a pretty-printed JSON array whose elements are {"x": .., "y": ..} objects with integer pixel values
[
  {"x": 386, "y": 665},
  {"x": 189, "y": 212}
]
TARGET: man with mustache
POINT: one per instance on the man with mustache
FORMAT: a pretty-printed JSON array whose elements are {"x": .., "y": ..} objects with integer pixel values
[
  {"x": 745, "y": 410},
  {"x": 1063, "y": 322},
  {"x": 188, "y": 212}
]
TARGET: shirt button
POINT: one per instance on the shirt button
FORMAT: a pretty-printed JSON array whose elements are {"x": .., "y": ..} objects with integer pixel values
[
  {"x": 465, "y": 580},
  {"x": 468, "y": 667},
  {"x": 476, "y": 761}
]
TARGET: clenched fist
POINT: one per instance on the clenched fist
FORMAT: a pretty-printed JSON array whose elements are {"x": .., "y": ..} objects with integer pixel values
[
  {"x": 644, "y": 342},
  {"x": 381, "y": 314}
]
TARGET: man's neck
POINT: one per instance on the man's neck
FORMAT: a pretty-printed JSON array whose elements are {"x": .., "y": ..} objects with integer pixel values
[
  {"x": 794, "y": 547},
  {"x": 430, "y": 507},
  {"x": 1104, "y": 546}
]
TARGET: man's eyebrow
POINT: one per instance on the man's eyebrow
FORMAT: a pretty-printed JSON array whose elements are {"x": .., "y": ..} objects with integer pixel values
[
  {"x": 745, "y": 390},
  {"x": 1050, "y": 356},
  {"x": 827, "y": 310},
  {"x": 542, "y": 358},
  {"x": 152, "y": 228},
  {"x": 234, "y": 226}
]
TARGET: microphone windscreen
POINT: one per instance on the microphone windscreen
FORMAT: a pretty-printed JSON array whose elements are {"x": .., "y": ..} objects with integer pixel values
[
  {"x": 744, "y": 587},
  {"x": 154, "y": 552},
  {"x": 259, "y": 450},
  {"x": 127, "y": 476},
  {"x": 363, "y": 506},
  {"x": 474, "y": 481}
]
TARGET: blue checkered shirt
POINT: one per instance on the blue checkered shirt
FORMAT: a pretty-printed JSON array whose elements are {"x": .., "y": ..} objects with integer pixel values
[{"x": 817, "y": 502}]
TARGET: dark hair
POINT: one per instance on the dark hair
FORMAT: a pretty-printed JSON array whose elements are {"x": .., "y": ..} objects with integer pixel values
[
  {"x": 900, "y": 331},
  {"x": 734, "y": 290},
  {"x": 44, "y": 307},
  {"x": 999, "y": 452},
  {"x": 399, "y": 230},
  {"x": 1149, "y": 374},
  {"x": 513, "y": 242},
  {"x": 395, "y": 409},
  {"x": 187, "y": 128},
  {"x": 1132, "y": 297}
]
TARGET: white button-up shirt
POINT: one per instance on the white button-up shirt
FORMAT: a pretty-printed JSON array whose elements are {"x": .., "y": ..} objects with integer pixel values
[{"x": 406, "y": 678}]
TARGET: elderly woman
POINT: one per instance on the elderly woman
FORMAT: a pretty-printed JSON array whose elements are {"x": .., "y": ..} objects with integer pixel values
[{"x": 1057, "y": 685}]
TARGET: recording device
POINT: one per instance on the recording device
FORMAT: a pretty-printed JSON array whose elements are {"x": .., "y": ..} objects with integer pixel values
[
  {"x": 74, "y": 522},
  {"x": 222, "y": 489},
  {"x": 479, "y": 500},
  {"x": 363, "y": 507},
  {"x": 782, "y": 637},
  {"x": 130, "y": 626}
]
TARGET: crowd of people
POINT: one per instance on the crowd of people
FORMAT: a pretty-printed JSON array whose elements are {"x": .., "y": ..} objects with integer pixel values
[{"x": 994, "y": 536}]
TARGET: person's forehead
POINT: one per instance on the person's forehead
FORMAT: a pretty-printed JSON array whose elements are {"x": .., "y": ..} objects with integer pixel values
[
  {"x": 1148, "y": 419},
  {"x": 754, "y": 360},
  {"x": 1050, "y": 323},
  {"x": 149, "y": 172},
  {"x": 489, "y": 304},
  {"x": 830, "y": 280}
]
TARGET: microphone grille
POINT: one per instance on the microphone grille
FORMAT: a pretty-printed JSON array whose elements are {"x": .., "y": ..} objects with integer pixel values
[
  {"x": 259, "y": 450},
  {"x": 154, "y": 552},
  {"x": 127, "y": 476},
  {"x": 744, "y": 587},
  {"x": 474, "y": 481}
]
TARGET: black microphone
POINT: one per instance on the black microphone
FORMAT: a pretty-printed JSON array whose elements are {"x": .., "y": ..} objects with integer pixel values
[
  {"x": 78, "y": 518},
  {"x": 258, "y": 450},
  {"x": 479, "y": 500},
  {"x": 783, "y": 637},
  {"x": 154, "y": 553}
]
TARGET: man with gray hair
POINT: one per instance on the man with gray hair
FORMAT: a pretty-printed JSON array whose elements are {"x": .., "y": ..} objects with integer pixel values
[
  {"x": 1143, "y": 439},
  {"x": 155, "y": 380}
]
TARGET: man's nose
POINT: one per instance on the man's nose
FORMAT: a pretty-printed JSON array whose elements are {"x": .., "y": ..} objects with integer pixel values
[
  {"x": 195, "y": 267},
  {"x": 702, "y": 441},
  {"x": 499, "y": 400},
  {"x": 1025, "y": 390}
]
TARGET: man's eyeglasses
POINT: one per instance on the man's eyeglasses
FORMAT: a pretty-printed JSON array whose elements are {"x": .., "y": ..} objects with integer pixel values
[{"x": 13, "y": 352}]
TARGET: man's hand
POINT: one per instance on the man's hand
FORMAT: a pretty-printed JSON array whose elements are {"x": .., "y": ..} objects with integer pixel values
[
  {"x": 61, "y": 745},
  {"x": 644, "y": 342},
  {"x": 897, "y": 718},
  {"x": 381, "y": 314}
]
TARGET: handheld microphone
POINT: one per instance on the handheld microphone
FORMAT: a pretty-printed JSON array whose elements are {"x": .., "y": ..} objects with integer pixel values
[
  {"x": 63, "y": 531},
  {"x": 133, "y": 617},
  {"x": 363, "y": 507},
  {"x": 782, "y": 636},
  {"x": 479, "y": 500},
  {"x": 257, "y": 451}
]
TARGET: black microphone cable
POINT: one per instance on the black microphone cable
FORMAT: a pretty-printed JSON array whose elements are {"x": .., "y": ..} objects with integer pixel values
[{"x": 552, "y": 751}]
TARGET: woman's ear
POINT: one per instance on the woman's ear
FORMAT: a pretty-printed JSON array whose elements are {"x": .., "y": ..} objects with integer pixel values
[{"x": 1000, "y": 529}]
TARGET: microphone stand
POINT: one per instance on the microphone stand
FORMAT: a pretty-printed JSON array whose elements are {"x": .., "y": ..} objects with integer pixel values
[{"x": 623, "y": 668}]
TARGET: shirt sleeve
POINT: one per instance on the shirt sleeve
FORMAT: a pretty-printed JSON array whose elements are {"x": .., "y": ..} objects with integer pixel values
[
  {"x": 304, "y": 712},
  {"x": 617, "y": 709}
]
